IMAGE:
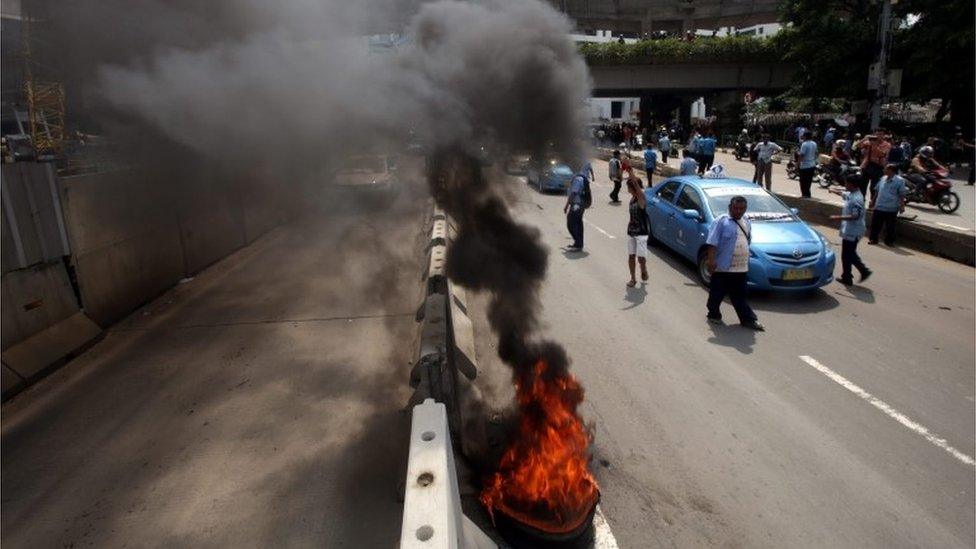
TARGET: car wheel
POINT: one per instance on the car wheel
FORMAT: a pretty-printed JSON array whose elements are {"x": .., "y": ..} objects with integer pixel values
[{"x": 703, "y": 275}]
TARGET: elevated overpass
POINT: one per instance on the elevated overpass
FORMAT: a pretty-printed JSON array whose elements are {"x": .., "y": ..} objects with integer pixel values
[
  {"x": 641, "y": 17},
  {"x": 666, "y": 87}
]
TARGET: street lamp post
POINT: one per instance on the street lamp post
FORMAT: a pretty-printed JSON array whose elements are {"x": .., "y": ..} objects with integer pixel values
[{"x": 878, "y": 77}]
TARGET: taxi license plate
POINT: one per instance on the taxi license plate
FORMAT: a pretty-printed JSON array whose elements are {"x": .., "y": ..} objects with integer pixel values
[{"x": 797, "y": 274}]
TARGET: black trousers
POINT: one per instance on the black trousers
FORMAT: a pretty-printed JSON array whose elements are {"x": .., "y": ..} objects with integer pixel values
[
  {"x": 872, "y": 173},
  {"x": 733, "y": 285},
  {"x": 615, "y": 193},
  {"x": 849, "y": 258},
  {"x": 806, "y": 181},
  {"x": 574, "y": 222},
  {"x": 886, "y": 220},
  {"x": 705, "y": 162}
]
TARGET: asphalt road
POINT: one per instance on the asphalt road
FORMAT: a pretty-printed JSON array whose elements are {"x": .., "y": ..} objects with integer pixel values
[
  {"x": 258, "y": 405},
  {"x": 720, "y": 436}
]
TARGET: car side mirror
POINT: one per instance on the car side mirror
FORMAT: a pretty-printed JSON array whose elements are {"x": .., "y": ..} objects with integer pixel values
[
  {"x": 795, "y": 211},
  {"x": 692, "y": 214}
]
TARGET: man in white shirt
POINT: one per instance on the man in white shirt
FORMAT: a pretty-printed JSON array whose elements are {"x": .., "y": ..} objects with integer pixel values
[
  {"x": 728, "y": 264},
  {"x": 765, "y": 150}
]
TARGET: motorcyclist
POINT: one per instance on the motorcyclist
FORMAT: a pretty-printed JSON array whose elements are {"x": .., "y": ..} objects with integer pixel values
[{"x": 923, "y": 163}]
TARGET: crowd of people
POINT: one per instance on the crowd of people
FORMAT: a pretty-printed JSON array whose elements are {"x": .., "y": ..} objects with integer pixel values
[
  {"x": 728, "y": 252},
  {"x": 881, "y": 156}
]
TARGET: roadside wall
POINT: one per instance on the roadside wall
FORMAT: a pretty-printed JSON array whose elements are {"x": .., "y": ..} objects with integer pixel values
[{"x": 133, "y": 237}]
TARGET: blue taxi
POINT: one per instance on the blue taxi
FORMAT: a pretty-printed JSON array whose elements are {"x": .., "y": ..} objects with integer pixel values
[{"x": 785, "y": 254}]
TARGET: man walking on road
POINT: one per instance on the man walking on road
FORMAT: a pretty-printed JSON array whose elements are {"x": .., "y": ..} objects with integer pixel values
[
  {"x": 574, "y": 210},
  {"x": 728, "y": 264},
  {"x": 887, "y": 202},
  {"x": 808, "y": 163},
  {"x": 706, "y": 150},
  {"x": 650, "y": 163},
  {"x": 764, "y": 161},
  {"x": 664, "y": 145},
  {"x": 852, "y": 228},
  {"x": 616, "y": 175}
]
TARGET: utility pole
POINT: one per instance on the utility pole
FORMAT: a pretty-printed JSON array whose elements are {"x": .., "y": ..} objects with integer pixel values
[{"x": 878, "y": 73}]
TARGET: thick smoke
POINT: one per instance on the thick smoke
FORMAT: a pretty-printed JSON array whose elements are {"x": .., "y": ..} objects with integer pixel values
[{"x": 287, "y": 88}]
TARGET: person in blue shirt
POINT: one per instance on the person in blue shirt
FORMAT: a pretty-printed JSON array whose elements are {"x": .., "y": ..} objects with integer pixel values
[
  {"x": 828, "y": 138},
  {"x": 727, "y": 261},
  {"x": 706, "y": 152},
  {"x": 574, "y": 209},
  {"x": 664, "y": 144},
  {"x": 889, "y": 201},
  {"x": 852, "y": 228},
  {"x": 807, "y": 156},
  {"x": 688, "y": 166},
  {"x": 650, "y": 162}
]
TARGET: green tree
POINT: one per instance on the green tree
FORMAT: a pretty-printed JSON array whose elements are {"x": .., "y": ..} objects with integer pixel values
[
  {"x": 833, "y": 42},
  {"x": 938, "y": 56}
]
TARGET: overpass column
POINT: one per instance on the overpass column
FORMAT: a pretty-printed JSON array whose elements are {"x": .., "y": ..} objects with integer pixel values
[{"x": 647, "y": 24}]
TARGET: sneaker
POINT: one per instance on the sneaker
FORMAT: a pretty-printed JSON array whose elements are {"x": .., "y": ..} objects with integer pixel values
[
  {"x": 866, "y": 274},
  {"x": 714, "y": 319},
  {"x": 847, "y": 281},
  {"x": 754, "y": 325}
]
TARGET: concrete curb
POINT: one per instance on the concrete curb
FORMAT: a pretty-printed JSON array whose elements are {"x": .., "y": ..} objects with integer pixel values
[{"x": 955, "y": 245}]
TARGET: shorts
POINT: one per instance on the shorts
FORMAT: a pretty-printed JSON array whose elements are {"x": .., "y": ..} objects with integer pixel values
[{"x": 637, "y": 245}]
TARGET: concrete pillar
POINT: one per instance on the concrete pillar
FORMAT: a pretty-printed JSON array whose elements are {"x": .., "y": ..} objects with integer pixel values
[{"x": 647, "y": 24}]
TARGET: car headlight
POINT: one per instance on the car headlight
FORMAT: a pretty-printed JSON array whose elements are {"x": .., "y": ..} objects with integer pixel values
[{"x": 824, "y": 241}]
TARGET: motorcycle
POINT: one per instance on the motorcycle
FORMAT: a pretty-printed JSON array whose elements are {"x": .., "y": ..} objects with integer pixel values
[
  {"x": 742, "y": 150},
  {"x": 793, "y": 171},
  {"x": 839, "y": 176},
  {"x": 933, "y": 188}
]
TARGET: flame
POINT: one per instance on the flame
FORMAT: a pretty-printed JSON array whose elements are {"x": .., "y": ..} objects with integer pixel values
[{"x": 543, "y": 479}]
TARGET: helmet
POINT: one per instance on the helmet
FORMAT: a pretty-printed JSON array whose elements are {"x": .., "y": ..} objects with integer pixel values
[
  {"x": 745, "y": 130},
  {"x": 925, "y": 152},
  {"x": 840, "y": 144}
]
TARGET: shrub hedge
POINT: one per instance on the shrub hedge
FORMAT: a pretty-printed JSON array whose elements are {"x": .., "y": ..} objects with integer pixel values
[{"x": 674, "y": 50}]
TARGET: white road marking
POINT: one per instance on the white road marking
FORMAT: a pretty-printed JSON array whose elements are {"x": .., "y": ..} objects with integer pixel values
[
  {"x": 604, "y": 537},
  {"x": 956, "y": 227},
  {"x": 891, "y": 412},
  {"x": 605, "y": 233}
]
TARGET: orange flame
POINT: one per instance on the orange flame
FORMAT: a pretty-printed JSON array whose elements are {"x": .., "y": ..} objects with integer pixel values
[{"x": 543, "y": 479}]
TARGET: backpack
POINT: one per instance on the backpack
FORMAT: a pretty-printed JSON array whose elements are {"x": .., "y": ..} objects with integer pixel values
[{"x": 586, "y": 197}]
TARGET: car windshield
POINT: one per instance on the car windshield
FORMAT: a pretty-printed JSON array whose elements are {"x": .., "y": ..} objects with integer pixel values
[
  {"x": 762, "y": 205},
  {"x": 365, "y": 164}
]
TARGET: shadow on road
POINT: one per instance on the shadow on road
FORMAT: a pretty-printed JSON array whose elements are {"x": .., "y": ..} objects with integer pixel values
[
  {"x": 734, "y": 336},
  {"x": 793, "y": 303},
  {"x": 574, "y": 254},
  {"x": 859, "y": 293},
  {"x": 635, "y": 296}
]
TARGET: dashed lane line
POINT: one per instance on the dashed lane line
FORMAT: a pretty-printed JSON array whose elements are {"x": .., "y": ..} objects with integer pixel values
[
  {"x": 605, "y": 233},
  {"x": 888, "y": 410},
  {"x": 956, "y": 227}
]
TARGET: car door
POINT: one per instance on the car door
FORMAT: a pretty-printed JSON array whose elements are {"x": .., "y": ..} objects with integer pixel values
[
  {"x": 689, "y": 234},
  {"x": 661, "y": 211}
]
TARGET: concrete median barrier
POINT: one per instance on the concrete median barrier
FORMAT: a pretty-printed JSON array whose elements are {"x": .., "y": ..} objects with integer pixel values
[{"x": 432, "y": 514}]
